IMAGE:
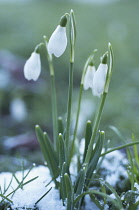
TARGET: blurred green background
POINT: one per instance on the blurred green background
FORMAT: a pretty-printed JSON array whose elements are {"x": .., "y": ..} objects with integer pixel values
[{"x": 22, "y": 26}]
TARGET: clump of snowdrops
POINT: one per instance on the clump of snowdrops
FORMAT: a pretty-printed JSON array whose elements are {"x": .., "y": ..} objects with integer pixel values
[{"x": 61, "y": 151}]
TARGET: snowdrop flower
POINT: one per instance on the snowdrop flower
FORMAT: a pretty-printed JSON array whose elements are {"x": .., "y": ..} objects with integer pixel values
[
  {"x": 32, "y": 68},
  {"x": 100, "y": 77},
  {"x": 58, "y": 40},
  {"x": 88, "y": 79}
]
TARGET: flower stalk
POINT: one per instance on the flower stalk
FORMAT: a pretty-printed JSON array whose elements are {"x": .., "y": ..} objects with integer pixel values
[
  {"x": 72, "y": 35},
  {"x": 53, "y": 96},
  {"x": 100, "y": 108},
  {"x": 80, "y": 99},
  {"x": 95, "y": 128}
]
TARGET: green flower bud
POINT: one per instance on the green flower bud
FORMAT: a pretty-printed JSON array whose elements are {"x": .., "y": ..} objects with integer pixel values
[
  {"x": 104, "y": 58},
  {"x": 63, "y": 21}
]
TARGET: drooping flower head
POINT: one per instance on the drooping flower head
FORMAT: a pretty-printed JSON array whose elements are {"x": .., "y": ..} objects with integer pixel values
[
  {"x": 58, "y": 40},
  {"x": 89, "y": 75},
  {"x": 32, "y": 68},
  {"x": 100, "y": 77}
]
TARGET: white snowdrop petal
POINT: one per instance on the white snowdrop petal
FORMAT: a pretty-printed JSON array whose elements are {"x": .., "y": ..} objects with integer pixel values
[
  {"x": 58, "y": 41},
  {"x": 32, "y": 68},
  {"x": 88, "y": 79},
  {"x": 99, "y": 79}
]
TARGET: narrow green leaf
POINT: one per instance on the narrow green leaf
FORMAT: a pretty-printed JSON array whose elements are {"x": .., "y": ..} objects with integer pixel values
[
  {"x": 69, "y": 187},
  {"x": 77, "y": 181},
  {"x": 81, "y": 181},
  {"x": 119, "y": 202},
  {"x": 61, "y": 151},
  {"x": 6, "y": 189},
  {"x": 29, "y": 181},
  {"x": 98, "y": 193},
  {"x": 40, "y": 138},
  {"x": 5, "y": 198},
  {"x": 52, "y": 156},
  {"x": 134, "y": 206},
  {"x": 0, "y": 190},
  {"x": 48, "y": 151},
  {"x": 43, "y": 196},
  {"x": 60, "y": 125},
  {"x": 79, "y": 165},
  {"x": 131, "y": 172},
  {"x": 69, "y": 191},
  {"x": 96, "y": 201},
  {"x": 80, "y": 186},
  {"x": 16, "y": 179},
  {"x": 88, "y": 135},
  {"x": 135, "y": 150},
  {"x": 103, "y": 189},
  {"x": 20, "y": 185},
  {"x": 95, "y": 157},
  {"x": 63, "y": 193},
  {"x": 120, "y": 147}
]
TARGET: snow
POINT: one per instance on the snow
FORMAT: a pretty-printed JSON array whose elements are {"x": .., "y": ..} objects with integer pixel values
[
  {"x": 112, "y": 167},
  {"x": 136, "y": 186},
  {"x": 90, "y": 205},
  {"x": 30, "y": 194},
  {"x": 114, "y": 164}
]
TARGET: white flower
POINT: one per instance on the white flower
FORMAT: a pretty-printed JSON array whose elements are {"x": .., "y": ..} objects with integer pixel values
[
  {"x": 58, "y": 41},
  {"x": 88, "y": 79},
  {"x": 99, "y": 79},
  {"x": 32, "y": 68}
]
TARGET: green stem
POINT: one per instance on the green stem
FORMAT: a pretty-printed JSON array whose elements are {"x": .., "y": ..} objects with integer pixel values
[
  {"x": 54, "y": 104},
  {"x": 53, "y": 96},
  {"x": 95, "y": 129},
  {"x": 67, "y": 136},
  {"x": 120, "y": 147},
  {"x": 77, "y": 120}
]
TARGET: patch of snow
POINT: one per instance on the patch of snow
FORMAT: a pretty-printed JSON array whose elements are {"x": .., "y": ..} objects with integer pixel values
[
  {"x": 30, "y": 194},
  {"x": 106, "y": 207},
  {"x": 112, "y": 196},
  {"x": 33, "y": 191},
  {"x": 82, "y": 146},
  {"x": 136, "y": 186},
  {"x": 114, "y": 164},
  {"x": 89, "y": 205}
]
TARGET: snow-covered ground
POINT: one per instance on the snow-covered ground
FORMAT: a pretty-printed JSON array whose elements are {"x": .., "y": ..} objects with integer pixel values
[{"x": 33, "y": 191}]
